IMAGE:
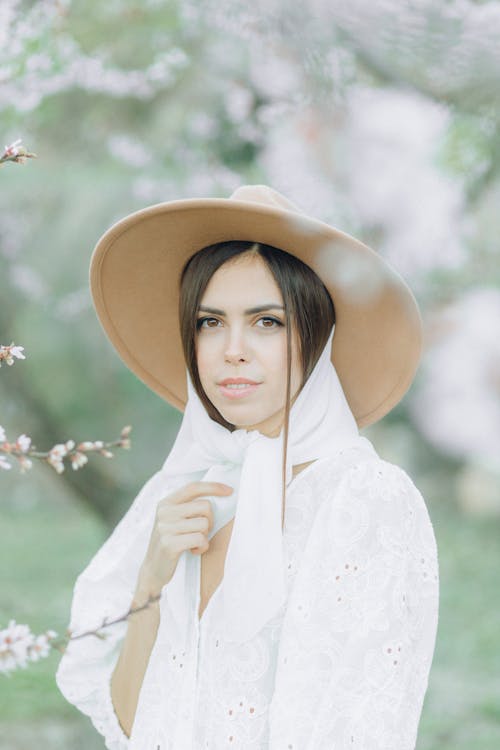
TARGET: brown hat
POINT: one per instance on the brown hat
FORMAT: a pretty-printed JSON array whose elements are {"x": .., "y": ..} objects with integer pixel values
[{"x": 134, "y": 280}]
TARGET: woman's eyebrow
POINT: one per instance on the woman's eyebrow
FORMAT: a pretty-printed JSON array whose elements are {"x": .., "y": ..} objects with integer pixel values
[{"x": 250, "y": 311}]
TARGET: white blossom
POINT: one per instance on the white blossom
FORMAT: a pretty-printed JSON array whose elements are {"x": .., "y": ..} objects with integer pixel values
[
  {"x": 23, "y": 443},
  {"x": 78, "y": 460},
  {"x": 202, "y": 125},
  {"x": 394, "y": 182},
  {"x": 16, "y": 351},
  {"x": 55, "y": 457},
  {"x": 238, "y": 102},
  {"x": 86, "y": 445},
  {"x": 25, "y": 463},
  {"x": 59, "y": 450},
  {"x": 129, "y": 150},
  {"x": 4, "y": 464},
  {"x": 72, "y": 304},
  {"x": 15, "y": 642},
  {"x": 13, "y": 149},
  {"x": 8, "y": 353},
  {"x": 456, "y": 401},
  {"x": 28, "y": 281},
  {"x": 18, "y": 646}
]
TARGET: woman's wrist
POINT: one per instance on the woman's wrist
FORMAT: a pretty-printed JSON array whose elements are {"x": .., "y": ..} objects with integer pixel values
[{"x": 145, "y": 590}]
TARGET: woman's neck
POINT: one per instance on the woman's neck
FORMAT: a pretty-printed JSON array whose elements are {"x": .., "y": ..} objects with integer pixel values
[{"x": 297, "y": 469}]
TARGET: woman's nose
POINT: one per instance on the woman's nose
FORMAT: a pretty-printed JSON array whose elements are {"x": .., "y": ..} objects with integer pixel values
[{"x": 236, "y": 347}]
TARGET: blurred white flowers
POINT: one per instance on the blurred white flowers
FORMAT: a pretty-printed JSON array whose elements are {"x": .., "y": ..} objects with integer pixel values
[
  {"x": 16, "y": 152},
  {"x": 27, "y": 280},
  {"x": 457, "y": 404},
  {"x": 57, "y": 453},
  {"x": 395, "y": 182},
  {"x": 8, "y": 353},
  {"x": 58, "y": 62},
  {"x": 18, "y": 646},
  {"x": 20, "y": 447},
  {"x": 129, "y": 150}
]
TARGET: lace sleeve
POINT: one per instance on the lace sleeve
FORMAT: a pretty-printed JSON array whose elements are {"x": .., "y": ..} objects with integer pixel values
[
  {"x": 360, "y": 638},
  {"x": 104, "y": 590}
]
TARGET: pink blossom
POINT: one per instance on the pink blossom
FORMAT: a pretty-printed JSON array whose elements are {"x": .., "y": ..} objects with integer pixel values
[
  {"x": 23, "y": 443},
  {"x": 25, "y": 463},
  {"x": 78, "y": 460},
  {"x": 8, "y": 353},
  {"x": 41, "y": 647},
  {"x": 18, "y": 645},
  {"x": 13, "y": 149},
  {"x": 55, "y": 457},
  {"x": 16, "y": 352},
  {"x": 87, "y": 445},
  {"x": 56, "y": 463},
  {"x": 58, "y": 451}
]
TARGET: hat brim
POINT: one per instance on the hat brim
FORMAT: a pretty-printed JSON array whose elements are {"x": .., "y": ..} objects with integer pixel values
[{"x": 134, "y": 280}]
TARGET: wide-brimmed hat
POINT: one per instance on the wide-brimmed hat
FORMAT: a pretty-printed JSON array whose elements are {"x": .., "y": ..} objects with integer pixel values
[{"x": 134, "y": 280}]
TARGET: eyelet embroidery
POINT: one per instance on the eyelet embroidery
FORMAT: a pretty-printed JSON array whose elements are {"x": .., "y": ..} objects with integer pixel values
[{"x": 355, "y": 596}]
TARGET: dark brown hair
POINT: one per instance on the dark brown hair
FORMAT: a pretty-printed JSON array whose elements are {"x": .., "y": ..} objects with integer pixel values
[{"x": 308, "y": 306}]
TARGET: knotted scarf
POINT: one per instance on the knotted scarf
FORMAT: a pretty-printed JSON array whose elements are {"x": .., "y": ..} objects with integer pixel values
[{"x": 254, "y": 584}]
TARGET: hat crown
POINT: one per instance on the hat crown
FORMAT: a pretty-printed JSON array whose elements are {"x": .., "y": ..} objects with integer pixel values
[{"x": 266, "y": 196}]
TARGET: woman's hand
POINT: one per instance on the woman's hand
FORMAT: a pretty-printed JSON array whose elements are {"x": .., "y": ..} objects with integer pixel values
[{"x": 183, "y": 520}]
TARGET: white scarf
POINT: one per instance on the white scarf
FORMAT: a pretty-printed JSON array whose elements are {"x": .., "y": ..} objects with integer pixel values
[{"x": 254, "y": 583}]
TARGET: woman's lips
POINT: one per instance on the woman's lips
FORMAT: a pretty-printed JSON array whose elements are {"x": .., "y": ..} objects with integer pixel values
[{"x": 240, "y": 391}]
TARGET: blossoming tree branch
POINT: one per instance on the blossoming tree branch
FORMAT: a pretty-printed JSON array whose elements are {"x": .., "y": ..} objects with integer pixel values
[
  {"x": 18, "y": 645},
  {"x": 23, "y": 450},
  {"x": 16, "y": 152}
]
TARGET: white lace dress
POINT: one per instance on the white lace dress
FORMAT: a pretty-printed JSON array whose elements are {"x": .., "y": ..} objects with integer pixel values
[{"x": 345, "y": 663}]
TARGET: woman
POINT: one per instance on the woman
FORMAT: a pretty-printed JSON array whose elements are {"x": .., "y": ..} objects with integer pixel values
[{"x": 290, "y": 574}]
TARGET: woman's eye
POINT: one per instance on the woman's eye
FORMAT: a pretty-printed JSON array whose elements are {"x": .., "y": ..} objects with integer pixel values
[
  {"x": 200, "y": 321},
  {"x": 272, "y": 320}
]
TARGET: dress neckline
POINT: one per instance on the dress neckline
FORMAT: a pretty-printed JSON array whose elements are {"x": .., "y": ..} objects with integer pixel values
[{"x": 199, "y": 620}]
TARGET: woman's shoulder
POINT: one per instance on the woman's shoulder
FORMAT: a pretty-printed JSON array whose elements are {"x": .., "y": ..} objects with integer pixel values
[
  {"x": 358, "y": 471},
  {"x": 367, "y": 506},
  {"x": 326, "y": 472}
]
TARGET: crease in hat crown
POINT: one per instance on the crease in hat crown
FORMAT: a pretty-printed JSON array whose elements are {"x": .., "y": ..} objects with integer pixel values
[{"x": 264, "y": 195}]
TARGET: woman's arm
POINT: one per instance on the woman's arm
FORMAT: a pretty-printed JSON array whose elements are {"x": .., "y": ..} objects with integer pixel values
[
  {"x": 104, "y": 591},
  {"x": 128, "y": 676},
  {"x": 359, "y": 633}
]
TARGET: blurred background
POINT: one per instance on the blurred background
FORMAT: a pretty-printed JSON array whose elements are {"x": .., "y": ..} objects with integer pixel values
[{"x": 380, "y": 118}]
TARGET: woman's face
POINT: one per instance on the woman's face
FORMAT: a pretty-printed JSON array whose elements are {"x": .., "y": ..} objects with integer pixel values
[{"x": 235, "y": 341}]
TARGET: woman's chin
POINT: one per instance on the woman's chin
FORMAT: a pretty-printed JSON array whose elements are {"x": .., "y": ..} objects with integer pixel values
[
  {"x": 242, "y": 419},
  {"x": 239, "y": 419},
  {"x": 266, "y": 426}
]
